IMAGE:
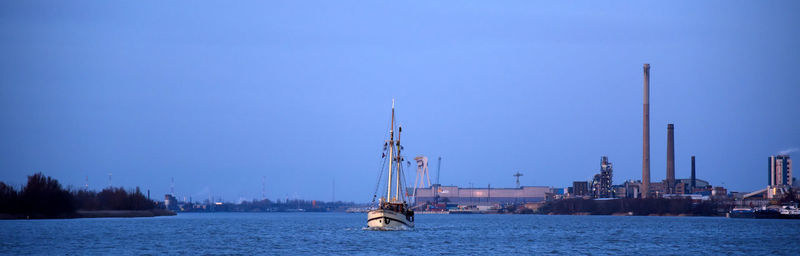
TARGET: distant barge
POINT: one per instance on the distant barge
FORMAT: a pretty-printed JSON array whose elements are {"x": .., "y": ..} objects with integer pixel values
[{"x": 782, "y": 212}]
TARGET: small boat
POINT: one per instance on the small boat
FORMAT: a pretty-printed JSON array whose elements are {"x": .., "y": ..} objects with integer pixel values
[
  {"x": 741, "y": 213},
  {"x": 767, "y": 213},
  {"x": 789, "y": 212},
  {"x": 392, "y": 212}
]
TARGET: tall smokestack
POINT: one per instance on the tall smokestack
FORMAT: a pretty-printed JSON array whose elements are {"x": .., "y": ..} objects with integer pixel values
[
  {"x": 646, "y": 135},
  {"x": 693, "y": 177},
  {"x": 670, "y": 159}
]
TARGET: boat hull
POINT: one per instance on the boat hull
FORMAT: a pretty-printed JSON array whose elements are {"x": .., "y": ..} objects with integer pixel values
[
  {"x": 388, "y": 220},
  {"x": 741, "y": 214}
]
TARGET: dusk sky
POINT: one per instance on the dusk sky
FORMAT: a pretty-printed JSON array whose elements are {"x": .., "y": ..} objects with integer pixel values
[{"x": 220, "y": 94}]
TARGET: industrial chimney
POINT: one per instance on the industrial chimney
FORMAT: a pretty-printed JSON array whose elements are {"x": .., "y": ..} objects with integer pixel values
[
  {"x": 646, "y": 135},
  {"x": 693, "y": 177},
  {"x": 670, "y": 186}
]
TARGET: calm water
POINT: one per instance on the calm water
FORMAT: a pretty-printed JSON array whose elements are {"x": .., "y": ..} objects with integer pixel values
[{"x": 341, "y": 233}]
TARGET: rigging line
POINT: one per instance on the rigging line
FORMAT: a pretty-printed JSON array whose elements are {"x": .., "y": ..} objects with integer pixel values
[
  {"x": 405, "y": 184},
  {"x": 380, "y": 175},
  {"x": 398, "y": 195},
  {"x": 382, "y": 164},
  {"x": 402, "y": 181}
]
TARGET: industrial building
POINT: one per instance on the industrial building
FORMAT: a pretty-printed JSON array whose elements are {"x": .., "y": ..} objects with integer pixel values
[
  {"x": 631, "y": 189},
  {"x": 480, "y": 196},
  {"x": 170, "y": 202},
  {"x": 692, "y": 185},
  {"x": 601, "y": 183},
  {"x": 779, "y": 171},
  {"x": 684, "y": 186},
  {"x": 779, "y": 180},
  {"x": 579, "y": 188}
]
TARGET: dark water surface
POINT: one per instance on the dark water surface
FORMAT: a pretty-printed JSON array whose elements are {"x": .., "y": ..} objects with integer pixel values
[{"x": 342, "y": 233}]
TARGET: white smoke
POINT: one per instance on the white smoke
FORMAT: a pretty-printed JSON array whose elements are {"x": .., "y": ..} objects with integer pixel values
[{"x": 787, "y": 151}]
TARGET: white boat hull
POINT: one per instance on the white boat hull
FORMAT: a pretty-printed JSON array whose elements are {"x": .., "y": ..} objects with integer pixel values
[{"x": 388, "y": 220}]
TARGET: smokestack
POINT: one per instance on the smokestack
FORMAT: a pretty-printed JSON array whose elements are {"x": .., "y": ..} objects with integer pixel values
[
  {"x": 770, "y": 170},
  {"x": 670, "y": 158},
  {"x": 438, "y": 170},
  {"x": 646, "y": 134},
  {"x": 693, "y": 177}
]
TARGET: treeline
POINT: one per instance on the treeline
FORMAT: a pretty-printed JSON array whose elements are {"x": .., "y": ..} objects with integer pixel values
[
  {"x": 267, "y": 205},
  {"x": 44, "y": 197},
  {"x": 292, "y": 204},
  {"x": 112, "y": 199},
  {"x": 654, "y": 206}
]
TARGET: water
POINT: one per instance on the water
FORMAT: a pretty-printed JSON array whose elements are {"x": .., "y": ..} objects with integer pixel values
[{"x": 342, "y": 233}]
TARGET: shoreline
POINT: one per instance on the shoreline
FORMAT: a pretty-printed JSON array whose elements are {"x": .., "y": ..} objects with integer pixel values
[
  {"x": 80, "y": 214},
  {"x": 124, "y": 213},
  {"x": 584, "y": 214},
  {"x": 631, "y": 214}
]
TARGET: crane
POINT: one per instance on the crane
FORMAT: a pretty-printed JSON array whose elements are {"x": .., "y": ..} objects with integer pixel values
[{"x": 517, "y": 175}]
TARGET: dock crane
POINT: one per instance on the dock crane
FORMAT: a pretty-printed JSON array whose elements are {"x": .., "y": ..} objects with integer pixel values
[{"x": 517, "y": 175}]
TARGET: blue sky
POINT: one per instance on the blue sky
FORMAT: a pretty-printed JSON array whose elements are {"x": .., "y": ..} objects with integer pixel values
[{"x": 219, "y": 95}]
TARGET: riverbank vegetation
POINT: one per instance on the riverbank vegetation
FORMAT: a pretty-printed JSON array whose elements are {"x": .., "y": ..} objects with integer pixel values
[{"x": 44, "y": 197}]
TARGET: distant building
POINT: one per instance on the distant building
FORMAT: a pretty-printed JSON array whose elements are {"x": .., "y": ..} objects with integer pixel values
[
  {"x": 681, "y": 188},
  {"x": 170, "y": 202},
  {"x": 618, "y": 191},
  {"x": 632, "y": 188},
  {"x": 601, "y": 183},
  {"x": 706, "y": 191},
  {"x": 719, "y": 192},
  {"x": 779, "y": 171},
  {"x": 580, "y": 188},
  {"x": 481, "y": 196},
  {"x": 684, "y": 186},
  {"x": 698, "y": 182},
  {"x": 657, "y": 189}
]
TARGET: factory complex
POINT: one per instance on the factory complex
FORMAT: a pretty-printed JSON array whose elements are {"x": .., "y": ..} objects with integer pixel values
[{"x": 453, "y": 199}]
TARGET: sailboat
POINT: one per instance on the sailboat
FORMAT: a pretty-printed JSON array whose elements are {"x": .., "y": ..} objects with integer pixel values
[{"x": 392, "y": 212}]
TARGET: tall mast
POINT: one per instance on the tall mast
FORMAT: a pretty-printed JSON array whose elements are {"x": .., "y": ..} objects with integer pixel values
[
  {"x": 391, "y": 156},
  {"x": 399, "y": 162}
]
